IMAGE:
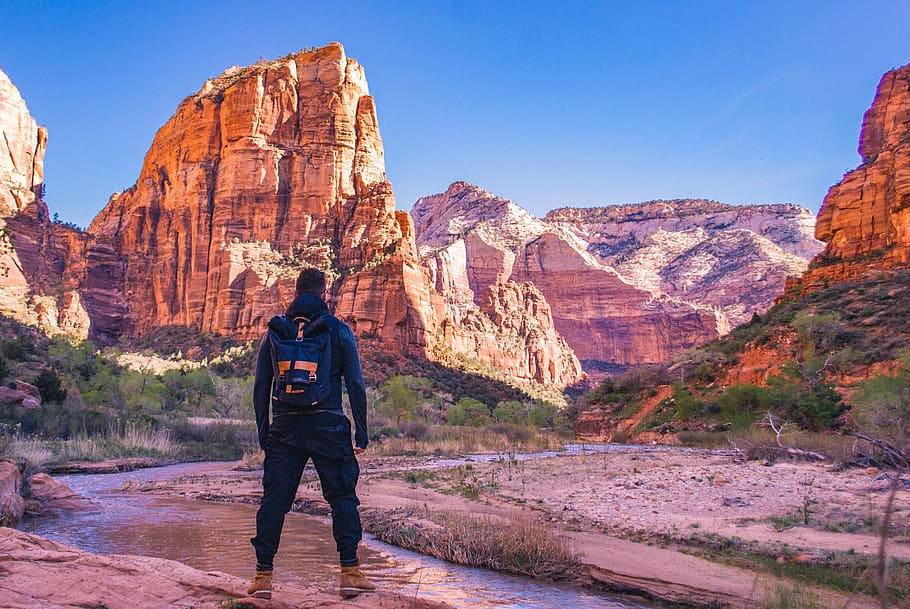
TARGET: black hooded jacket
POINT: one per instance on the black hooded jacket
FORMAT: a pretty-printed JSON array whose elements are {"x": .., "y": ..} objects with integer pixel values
[{"x": 345, "y": 362}]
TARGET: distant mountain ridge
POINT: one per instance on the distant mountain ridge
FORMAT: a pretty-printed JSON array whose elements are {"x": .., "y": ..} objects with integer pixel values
[{"x": 627, "y": 284}]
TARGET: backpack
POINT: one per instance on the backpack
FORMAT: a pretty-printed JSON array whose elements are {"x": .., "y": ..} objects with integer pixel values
[{"x": 301, "y": 360}]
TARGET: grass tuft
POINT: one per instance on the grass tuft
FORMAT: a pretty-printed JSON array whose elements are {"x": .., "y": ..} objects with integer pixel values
[{"x": 517, "y": 545}]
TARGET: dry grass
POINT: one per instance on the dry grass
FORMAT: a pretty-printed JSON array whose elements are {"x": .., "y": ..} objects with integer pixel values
[
  {"x": 789, "y": 596},
  {"x": 83, "y": 448},
  {"x": 136, "y": 440},
  {"x": 33, "y": 455},
  {"x": 762, "y": 443},
  {"x": 252, "y": 459},
  {"x": 453, "y": 441},
  {"x": 518, "y": 545},
  {"x": 132, "y": 441}
]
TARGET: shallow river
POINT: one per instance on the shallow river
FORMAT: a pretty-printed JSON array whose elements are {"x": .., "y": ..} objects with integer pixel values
[{"x": 215, "y": 536}]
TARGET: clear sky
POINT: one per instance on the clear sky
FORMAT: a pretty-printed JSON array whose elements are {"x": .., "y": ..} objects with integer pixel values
[{"x": 546, "y": 103}]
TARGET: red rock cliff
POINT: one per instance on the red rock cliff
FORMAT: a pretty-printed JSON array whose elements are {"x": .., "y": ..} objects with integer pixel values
[
  {"x": 865, "y": 219},
  {"x": 263, "y": 170}
]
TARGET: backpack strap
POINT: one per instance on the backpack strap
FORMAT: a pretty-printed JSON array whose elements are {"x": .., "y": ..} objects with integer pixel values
[{"x": 301, "y": 325}]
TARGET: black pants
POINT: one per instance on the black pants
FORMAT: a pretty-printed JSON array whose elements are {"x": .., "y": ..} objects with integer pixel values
[{"x": 293, "y": 440}]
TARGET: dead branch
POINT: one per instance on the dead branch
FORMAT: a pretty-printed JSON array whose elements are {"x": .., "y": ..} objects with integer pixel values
[{"x": 892, "y": 455}]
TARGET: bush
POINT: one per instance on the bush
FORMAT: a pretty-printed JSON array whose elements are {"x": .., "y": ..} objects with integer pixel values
[
  {"x": 511, "y": 411},
  {"x": 686, "y": 404},
  {"x": 416, "y": 430},
  {"x": 18, "y": 349},
  {"x": 543, "y": 415},
  {"x": 882, "y": 405},
  {"x": 48, "y": 384},
  {"x": 468, "y": 411},
  {"x": 516, "y": 434}
]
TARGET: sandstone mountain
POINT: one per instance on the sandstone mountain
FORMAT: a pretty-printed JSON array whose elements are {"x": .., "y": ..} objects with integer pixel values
[
  {"x": 865, "y": 218},
  {"x": 628, "y": 284},
  {"x": 265, "y": 170},
  {"x": 37, "y": 284},
  {"x": 864, "y": 221},
  {"x": 735, "y": 258}
]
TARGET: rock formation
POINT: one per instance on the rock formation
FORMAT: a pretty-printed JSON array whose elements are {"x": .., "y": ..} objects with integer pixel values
[
  {"x": 264, "y": 170},
  {"x": 865, "y": 218},
  {"x": 48, "y": 495},
  {"x": 38, "y": 284},
  {"x": 12, "y": 505},
  {"x": 628, "y": 284},
  {"x": 20, "y": 393},
  {"x": 513, "y": 331}
]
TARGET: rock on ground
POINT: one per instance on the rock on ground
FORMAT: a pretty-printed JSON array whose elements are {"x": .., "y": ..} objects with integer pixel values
[{"x": 37, "y": 573}]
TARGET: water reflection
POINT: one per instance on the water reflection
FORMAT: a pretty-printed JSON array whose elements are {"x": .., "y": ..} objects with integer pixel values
[{"x": 215, "y": 536}]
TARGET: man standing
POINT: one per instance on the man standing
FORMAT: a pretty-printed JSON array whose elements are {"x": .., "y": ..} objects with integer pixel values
[{"x": 321, "y": 432}]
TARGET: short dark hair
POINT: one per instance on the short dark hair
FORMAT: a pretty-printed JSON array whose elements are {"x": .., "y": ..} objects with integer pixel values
[{"x": 310, "y": 281}]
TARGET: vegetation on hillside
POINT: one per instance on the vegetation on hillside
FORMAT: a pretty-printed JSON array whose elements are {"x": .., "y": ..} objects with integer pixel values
[
  {"x": 176, "y": 394},
  {"x": 841, "y": 364}
]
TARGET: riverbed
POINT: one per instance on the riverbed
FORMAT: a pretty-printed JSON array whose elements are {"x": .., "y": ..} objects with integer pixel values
[{"x": 215, "y": 536}]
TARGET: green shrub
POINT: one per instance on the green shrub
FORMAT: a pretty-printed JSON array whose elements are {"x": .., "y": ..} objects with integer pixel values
[
  {"x": 511, "y": 411},
  {"x": 686, "y": 404},
  {"x": 48, "y": 384},
  {"x": 468, "y": 411}
]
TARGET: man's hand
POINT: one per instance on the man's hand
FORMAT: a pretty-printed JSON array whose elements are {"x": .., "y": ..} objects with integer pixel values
[{"x": 358, "y": 450}]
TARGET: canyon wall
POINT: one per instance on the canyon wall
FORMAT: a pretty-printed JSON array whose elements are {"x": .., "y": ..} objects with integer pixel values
[
  {"x": 627, "y": 285},
  {"x": 264, "y": 170},
  {"x": 865, "y": 218}
]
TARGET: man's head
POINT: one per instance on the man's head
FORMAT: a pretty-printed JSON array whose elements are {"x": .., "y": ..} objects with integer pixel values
[{"x": 311, "y": 281}]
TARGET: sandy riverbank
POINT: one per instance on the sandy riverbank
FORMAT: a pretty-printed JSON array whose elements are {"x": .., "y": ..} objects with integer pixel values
[{"x": 629, "y": 513}]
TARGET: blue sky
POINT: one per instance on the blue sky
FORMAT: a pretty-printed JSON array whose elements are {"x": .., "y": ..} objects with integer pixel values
[{"x": 549, "y": 104}]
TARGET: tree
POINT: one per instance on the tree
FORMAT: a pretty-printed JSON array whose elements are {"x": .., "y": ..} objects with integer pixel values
[
  {"x": 543, "y": 415},
  {"x": 468, "y": 411},
  {"x": 511, "y": 411},
  {"x": 48, "y": 384},
  {"x": 400, "y": 397}
]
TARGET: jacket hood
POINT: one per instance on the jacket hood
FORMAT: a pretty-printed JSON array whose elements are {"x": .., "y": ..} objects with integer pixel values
[{"x": 310, "y": 306}]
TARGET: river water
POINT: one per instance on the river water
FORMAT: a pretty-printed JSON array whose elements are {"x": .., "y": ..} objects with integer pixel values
[{"x": 215, "y": 536}]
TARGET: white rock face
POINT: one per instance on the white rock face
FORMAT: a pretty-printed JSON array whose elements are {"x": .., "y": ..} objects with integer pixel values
[
  {"x": 22, "y": 146},
  {"x": 735, "y": 258},
  {"x": 626, "y": 284}
]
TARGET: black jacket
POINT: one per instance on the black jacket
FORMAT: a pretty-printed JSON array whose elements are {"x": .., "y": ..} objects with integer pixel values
[{"x": 345, "y": 362}]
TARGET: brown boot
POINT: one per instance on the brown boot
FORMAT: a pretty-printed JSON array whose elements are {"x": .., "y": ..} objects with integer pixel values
[
  {"x": 261, "y": 586},
  {"x": 352, "y": 582}
]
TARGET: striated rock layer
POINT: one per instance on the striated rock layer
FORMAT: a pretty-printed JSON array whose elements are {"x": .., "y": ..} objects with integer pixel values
[
  {"x": 734, "y": 258},
  {"x": 865, "y": 218},
  {"x": 628, "y": 284}
]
